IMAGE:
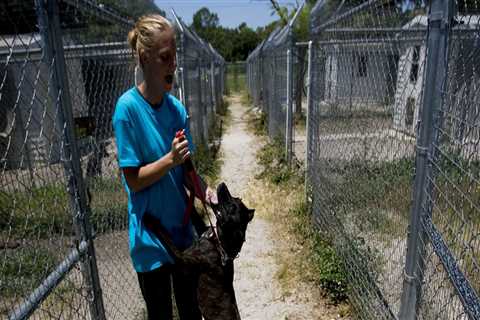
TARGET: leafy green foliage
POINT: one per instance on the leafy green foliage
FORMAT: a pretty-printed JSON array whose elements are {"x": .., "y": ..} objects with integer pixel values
[
  {"x": 275, "y": 169},
  {"x": 24, "y": 270},
  {"x": 327, "y": 267},
  {"x": 233, "y": 44},
  {"x": 204, "y": 19},
  {"x": 45, "y": 211}
]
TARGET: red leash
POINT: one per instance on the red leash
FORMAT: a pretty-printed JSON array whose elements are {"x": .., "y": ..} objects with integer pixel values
[{"x": 197, "y": 189}]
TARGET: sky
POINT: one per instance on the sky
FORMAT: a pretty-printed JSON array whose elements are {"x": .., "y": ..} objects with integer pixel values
[{"x": 231, "y": 13}]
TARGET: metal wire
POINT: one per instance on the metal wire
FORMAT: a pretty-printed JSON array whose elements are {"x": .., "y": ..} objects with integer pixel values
[
  {"x": 63, "y": 210},
  {"x": 392, "y": 150}
]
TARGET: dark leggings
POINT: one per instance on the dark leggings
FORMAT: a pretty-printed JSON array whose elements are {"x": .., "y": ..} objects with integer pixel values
[{"x": 157, "y": 293}]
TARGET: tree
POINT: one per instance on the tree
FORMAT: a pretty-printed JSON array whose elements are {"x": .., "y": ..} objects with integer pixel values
[
  {"x": 301, "y": 32},
  {"x": 282, "y": 12},
  {"x": 233, "y": 44},
  {"x": 204, "y": 19}
]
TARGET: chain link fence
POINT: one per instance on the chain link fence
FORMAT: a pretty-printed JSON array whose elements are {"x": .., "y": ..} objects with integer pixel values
[
  {"x": 201, "y": 80},
  {"x": 235, "y": 80},
  {"x": 367, "y": 71},
  {"x": 63, "y": 211},
  {"x": 392, "y": 149},
  {"x": 270, "y": 80}
]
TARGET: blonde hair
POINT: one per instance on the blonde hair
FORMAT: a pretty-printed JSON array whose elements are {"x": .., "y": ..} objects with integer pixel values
[{"x": 141, "y": 37}]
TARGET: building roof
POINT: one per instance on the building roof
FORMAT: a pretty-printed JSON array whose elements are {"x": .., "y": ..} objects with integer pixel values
[{"x": 467, "y": 22}]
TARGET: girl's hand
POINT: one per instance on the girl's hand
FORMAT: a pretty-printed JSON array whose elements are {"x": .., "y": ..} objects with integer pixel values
[
  {"x": 211, "y": 196},
  {"x": 179, "y": 151}
]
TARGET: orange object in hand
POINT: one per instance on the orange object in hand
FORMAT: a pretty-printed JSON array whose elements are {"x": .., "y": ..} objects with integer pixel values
[{"x": 188, "y": 162}]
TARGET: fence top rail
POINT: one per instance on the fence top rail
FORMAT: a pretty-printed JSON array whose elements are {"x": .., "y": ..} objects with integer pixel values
[
  {"x": 417, "y": 25},
  {"x": 88, "y": 50},
  {"x": 278, "y": 37},
  {"x": 373, "y": 43},
  {"x": 325, "y": 5},
  {"x": 102, "y": 11}
]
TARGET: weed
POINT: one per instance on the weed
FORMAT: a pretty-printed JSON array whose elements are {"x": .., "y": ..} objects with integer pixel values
[
  {"x": 45, "y": 211},
  {"x": 317, "y": 260},
  {"x": 24, "y": 270},
  {"x": 327, "y": 268},
  {"x": 205, "y": 158}
]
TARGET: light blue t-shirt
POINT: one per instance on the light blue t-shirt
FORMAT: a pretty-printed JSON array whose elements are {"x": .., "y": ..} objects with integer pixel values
[{"x": 143, "y": 135}]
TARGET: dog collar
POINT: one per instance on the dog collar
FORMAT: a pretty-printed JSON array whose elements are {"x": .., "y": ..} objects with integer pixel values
[{"x": 213, "y": 236}]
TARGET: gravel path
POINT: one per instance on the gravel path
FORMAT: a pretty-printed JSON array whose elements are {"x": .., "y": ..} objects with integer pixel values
[{"x": 258, "y": 291}]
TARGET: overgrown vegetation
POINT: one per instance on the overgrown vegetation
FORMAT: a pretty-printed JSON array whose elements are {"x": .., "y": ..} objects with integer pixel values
[
  {"x": 205, "y": 158},
  {"x": 45, "y": 211},
  {"x": 24, "y": 270},
  {"x": 315, "y": 259},
  {"x": 275, "y": 169},
  {"x": 372, "y": 194},
  {"x": 235, "y": 78},
  {"x": 30, "y": 221}
]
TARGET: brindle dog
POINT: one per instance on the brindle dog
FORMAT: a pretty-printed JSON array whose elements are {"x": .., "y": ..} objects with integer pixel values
[{"x": 211, "y": 258}]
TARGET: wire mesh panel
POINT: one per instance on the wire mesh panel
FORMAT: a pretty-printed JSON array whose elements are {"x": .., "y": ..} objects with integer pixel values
[
  {"x": 63, "y": 236},
  {"x": 299, "y": 96},
  {"x": 367, "y": 70},
  {"x": 255, "y": 66},
  {"x": 201, "y": 79},
  {"x": 452, "y": 216},
  {"x": 56, "y": 97},
  {"x": 105, "y": 72},
  {"x": 236, "y": 76},
  {"x": 392, "y": 151},
  {"x": 276, "y": 64}
]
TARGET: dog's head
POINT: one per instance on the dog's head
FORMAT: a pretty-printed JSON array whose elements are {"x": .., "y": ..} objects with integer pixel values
[{"x": 232, "y": 220}]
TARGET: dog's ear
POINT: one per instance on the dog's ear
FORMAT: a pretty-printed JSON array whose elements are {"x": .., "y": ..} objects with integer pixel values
[
  {"x": 250, "y": 214},
  {"x": 223, "y": 194}
]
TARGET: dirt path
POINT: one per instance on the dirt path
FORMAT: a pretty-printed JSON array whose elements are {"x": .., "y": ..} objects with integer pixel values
[{"x": 258, "y": 290}]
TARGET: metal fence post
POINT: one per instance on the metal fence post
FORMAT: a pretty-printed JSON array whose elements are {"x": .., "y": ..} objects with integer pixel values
[
  {"x": 289, "y": 122},
  {"x": 212, "y": 85},
  {"x": 200, "y": 112},
  {"x": 204, "y": 89},
  {"x": 49, "y": 25},
  {"x": 440, "y": 18},
  {"x": 181, "y": 62},
  {"x": 309, "y": 103}
]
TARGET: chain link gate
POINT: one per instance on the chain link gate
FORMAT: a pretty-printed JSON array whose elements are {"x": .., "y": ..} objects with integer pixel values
[
  {"x": 63, "y": 235},
  {"x": 392, "y": 150}
]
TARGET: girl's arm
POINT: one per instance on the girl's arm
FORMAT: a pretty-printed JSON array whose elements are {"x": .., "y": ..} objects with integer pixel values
[{"x": 138, "y": 178}]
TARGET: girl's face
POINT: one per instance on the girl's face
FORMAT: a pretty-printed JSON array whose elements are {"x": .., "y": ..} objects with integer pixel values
[{"x": 160, "y": 62}]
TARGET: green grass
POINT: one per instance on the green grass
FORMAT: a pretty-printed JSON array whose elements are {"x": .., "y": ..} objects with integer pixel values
[
  {"x": 327, "y": 269},
  {"x": 235, "y": 82},
  {"x": 319, "y": 261},
  {"x": 205, "y": 158},
  {"x": 371, "y": 194},
  {"x": 38, "y": 213},
  {"x": 25, "y": 269},
  {"x": 44, "y": 212}
]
